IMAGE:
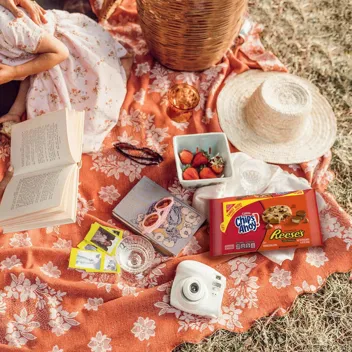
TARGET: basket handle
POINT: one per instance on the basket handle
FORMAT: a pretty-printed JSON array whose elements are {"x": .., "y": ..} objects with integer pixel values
[{"x": 108, "y": 8}]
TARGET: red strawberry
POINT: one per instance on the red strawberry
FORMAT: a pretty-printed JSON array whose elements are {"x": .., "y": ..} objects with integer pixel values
[
  {"x": 217, "y": 164},
  {"x": 186, "y": 157},
  {"x": 201, "y": 158},
  {"x": 207, "y": 172},
  {"x": 190, "y": 173}
]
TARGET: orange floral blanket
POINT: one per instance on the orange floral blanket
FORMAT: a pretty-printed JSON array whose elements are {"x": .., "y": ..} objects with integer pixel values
[{"x": 44, "y": 306}]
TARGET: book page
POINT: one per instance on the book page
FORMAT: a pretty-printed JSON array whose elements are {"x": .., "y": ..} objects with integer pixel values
[
  {"x": 34, "y": 192},
  {"x": 75, "y": 134},
  {"x": 41, "y": 143},
  {"x": 52, "y": 216}
]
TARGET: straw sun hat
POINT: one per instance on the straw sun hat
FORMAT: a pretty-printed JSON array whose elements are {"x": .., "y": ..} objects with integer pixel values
[{"x": 276, "y": 117}]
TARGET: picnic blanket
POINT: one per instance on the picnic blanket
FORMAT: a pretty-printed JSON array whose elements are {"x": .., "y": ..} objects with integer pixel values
[{"x": 44, "y": 306}]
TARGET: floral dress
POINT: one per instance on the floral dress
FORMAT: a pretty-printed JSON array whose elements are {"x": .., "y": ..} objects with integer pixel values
[{"x": 92, "y": 79}]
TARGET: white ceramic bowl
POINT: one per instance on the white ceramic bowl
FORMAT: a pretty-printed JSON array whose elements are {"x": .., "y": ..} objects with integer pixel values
[{"x": 218, "y": 144}]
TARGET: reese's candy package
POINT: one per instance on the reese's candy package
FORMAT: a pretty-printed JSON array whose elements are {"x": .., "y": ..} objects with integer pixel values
[{"x": 264, "y": 222}]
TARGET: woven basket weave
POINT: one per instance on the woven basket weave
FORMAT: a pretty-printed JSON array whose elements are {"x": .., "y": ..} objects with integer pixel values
[{"x": 190, "y": 35}]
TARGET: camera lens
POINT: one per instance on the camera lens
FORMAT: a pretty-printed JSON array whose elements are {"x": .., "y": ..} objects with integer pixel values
[{"x": 194, "y": 287}]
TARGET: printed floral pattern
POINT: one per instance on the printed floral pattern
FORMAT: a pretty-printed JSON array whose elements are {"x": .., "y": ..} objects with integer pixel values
[
  {"x": 113, "y": 166},
  {"x": 245, "y": 286},
  {"x": 192, "y": 247},
  {"x": 21, "y": 240},
  {"x": 280, "y": 278},
  {"x": 63, "y": 244},
  {"x": 21, "y": 288},
  {"x": 10, "y": 262},
  {"x": 100, "y": 280},
  {"x": 309, "y": 288},
  {"x": 316, "y": 257},
  {"x": 139, "y": 96},
  {"x": 144, "y": 328},
  {"x": 18, "y": 331},
  {"x": 125, "y": 138},
  {"x": 61, "y": 321},
  {"x": 179, "y": 192},
  {"x": 50, "y": 270},
  {"x": 127, "y": 290},
  {"x": 109, "y": 194},
  {"x": 53, "y": 229},
  {"x": 83, "y": 207},
  {"x": 229, "y": 317},
  {"x": 93, "y": 303},
  {"x": 142, "y": 69},
  {"x": 100, "y": 343}
]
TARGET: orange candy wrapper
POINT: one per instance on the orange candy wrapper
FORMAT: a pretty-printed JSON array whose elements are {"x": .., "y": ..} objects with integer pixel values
[{"x": 264, "y": 222}]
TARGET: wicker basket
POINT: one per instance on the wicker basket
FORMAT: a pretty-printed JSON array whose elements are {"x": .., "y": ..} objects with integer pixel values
[{"x": 190, "y": 35}]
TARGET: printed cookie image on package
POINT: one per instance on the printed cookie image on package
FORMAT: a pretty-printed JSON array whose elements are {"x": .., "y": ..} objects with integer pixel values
[
  {"x": 276, "y": 214},
  {"x": 264, "y": 222}
]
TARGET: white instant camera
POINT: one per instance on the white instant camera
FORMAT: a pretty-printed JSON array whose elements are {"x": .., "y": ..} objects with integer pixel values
[{"x": 198, "y": 289}]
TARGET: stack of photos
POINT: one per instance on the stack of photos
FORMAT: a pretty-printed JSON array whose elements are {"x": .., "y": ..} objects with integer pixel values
[{"x": 96, "y": 253}]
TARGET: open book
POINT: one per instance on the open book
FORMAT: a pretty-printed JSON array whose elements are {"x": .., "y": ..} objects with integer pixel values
[{"x": 45, "y": 153}]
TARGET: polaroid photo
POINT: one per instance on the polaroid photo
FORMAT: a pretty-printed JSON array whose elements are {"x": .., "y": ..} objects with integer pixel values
[
  {"x": 117, "y": 232},
  {"x": 82, "y": 259},
  {"x": 102, "y": 238},
  {"x": 93, "y": 261},
  {"x": 87, "y": 246},
  {"x": 110, "y": 264}
]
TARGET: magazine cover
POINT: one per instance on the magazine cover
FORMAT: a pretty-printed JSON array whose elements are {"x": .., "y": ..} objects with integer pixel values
[{"x": 153, "y": 212}]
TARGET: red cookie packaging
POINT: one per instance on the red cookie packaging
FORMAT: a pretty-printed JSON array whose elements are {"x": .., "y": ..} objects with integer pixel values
[{"x": 264, "y": 222}]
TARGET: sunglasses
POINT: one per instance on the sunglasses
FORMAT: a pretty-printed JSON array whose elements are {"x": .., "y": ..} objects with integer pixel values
[
  {"x": 154, "y": 220},
  {"x": 143, "y": 156}
]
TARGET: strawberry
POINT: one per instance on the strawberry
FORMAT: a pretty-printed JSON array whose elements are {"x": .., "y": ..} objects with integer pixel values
[
  {"x": 217, "y": 164},
  {"x": 201, "y": 158},
  {"x": 207, "y": 172},
  {"x": 190, "y": 173},
  {"x": 186, "y": 157}
]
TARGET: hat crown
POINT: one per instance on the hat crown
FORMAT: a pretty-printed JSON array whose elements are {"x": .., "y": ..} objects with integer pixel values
[
  {"x": 279, "y": 108},
  {"x": 286, "y": 96}
]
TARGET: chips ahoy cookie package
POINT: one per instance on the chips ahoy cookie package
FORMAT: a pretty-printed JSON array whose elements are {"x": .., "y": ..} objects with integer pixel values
[{"x": 264, "y": 222}]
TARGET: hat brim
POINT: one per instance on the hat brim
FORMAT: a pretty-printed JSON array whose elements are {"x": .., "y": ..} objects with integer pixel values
[{"x": 316, "y": 138}]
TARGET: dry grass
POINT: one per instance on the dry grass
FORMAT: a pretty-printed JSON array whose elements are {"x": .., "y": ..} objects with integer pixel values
[{"x": 314, "y": 40}]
